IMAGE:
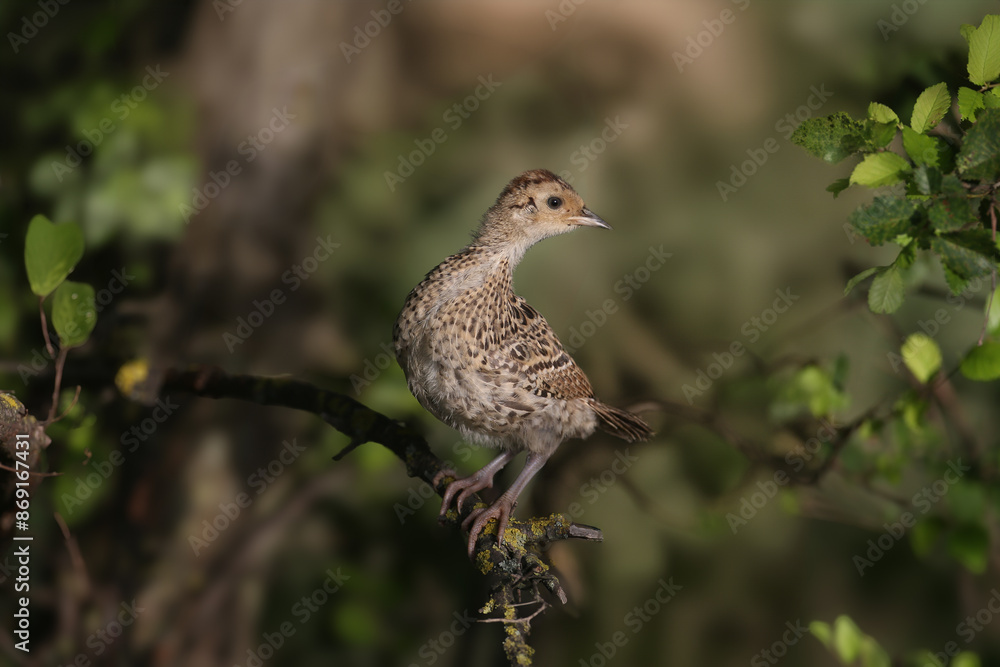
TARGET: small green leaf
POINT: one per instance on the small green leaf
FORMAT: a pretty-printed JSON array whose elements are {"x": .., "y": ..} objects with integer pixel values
[
  {"x": 886, "y": 293},
  {"x": 852, "y": 283},
  {"x": 969, "y": 102},
  {"x": 838, "y": 186},
  {"x": 979, "y": 158},
  {"x": 873, "y": 655},
  {"x": 984, "y": 51},
  {"x": 923, "y": 149},
  {"x": 993, "y": 312},
  {"x": 831, "y": 138},
  {"x": 969, "y": 544},
  {"x": 954, "y": 209},
  {"x": 956, "y": 283},
  {"x": 880, "y": 169},
  {"x": 926, "y": 180},
  {"x": 982, "y": 362},
  {"x": 930, "y": 108},
  {"x": 967, "y": 29},
  {"x": 884, "y": 219},
  {"x": 881, "y": 134},
  {"x": 969, "y": 253},
  {"x": 966, "y": 659},
  {"x": 50, "y": 253},
  {"x": 73, "y": 313},
  {"x": 822, "y": 632},
  {"x": 922, "y": 356},
  {"x": 847, "y": 638},
  {"x": 880, "y": 113}
]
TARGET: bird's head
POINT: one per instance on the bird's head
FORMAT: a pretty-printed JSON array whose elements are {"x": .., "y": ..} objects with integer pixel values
[{"x": 535, "y": 205}]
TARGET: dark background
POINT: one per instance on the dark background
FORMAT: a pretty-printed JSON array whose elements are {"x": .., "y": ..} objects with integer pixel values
[{"x": 593, "y": 91}]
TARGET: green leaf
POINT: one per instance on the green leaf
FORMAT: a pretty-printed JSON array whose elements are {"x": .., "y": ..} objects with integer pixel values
[
  {"x": 50, "y": 253},
  {"x": 984, "y": 51},
  {"x": 926, "y": 180},
  {"x": 979, "y": 158},
  {"x": 886, "y": 293},
  {"x": 880, "y": 135},
  {"x": 831, "y": 138},
  {"x": 930, "y": 107},
  {"x": 880, "y": 169},
  {"x": 969, "y": 102},
  {"x": 884, "y": 219},
  {"x": 852, "y": 283},
  {"x": 838, "y": 186},
  {"x": 922, "y": 356},
  {"x": 969, "y": 544},
  {"x": 847, "y": 638},
  {"x": 967, "y": 29},
  {"x": 993, "y": 312},
  {"x": 956, "y": 283},
  {"x": 966, "y": 659},
  {"x": 982, "y": 363},
  {"x": 954, "y": 209},
  {"x": 822, "y": 632},
  {"x": 73, "y": 313},
  {"x": 873, "y": 655},
  {"x": 880, "y": 113},
  {"x": 811, "y": 388},
  {"x": 968, "y": 253},
  {"x": 923, "y": 149}
]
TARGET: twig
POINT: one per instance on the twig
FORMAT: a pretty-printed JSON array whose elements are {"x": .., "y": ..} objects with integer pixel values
[
  {"x": 45, "y": 327},
  {"x": 60, "y": 364},
  {"x": 73, "y": 548},
  {"x": 32, "y": 472}
]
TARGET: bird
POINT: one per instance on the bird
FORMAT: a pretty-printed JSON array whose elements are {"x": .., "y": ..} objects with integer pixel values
[{"x": 483, "y": 361}]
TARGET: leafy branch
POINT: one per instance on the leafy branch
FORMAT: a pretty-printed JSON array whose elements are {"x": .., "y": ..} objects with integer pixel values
[{"x": 943, "y": 196}]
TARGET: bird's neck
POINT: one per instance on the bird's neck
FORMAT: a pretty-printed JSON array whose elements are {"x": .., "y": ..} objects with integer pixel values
[
  {"x": 496, "y": 262},
  {"x": 500, "y": 239}
]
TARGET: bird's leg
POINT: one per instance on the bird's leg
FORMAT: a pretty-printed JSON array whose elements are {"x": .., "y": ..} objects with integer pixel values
[
  {"x": 473, "y": 483},
  {"x": 502, "y": 508}
]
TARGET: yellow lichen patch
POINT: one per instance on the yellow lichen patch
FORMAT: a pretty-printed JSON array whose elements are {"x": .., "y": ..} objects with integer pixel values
[
  {"x": 483, "y": 562},
  {"x": 131, "y": 374},
  {"x": 488, "y": 607},
  {"x": 10, "y": 402},
  {"x": 515, "y": 538}
]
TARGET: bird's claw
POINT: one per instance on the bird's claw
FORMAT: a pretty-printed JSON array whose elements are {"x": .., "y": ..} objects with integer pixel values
[
  {"x": 479, "y": 518},
  {"x": 464, "y": 487}
]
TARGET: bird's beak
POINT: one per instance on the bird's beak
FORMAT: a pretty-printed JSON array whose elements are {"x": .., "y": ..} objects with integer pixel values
[{"x": 589, "y": 219}]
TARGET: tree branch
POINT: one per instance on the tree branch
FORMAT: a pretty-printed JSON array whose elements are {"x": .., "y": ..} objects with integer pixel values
[{"x": 520, "y": 574}]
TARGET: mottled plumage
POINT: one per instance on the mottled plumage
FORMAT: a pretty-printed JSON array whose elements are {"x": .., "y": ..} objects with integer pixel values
[{"x": 483, "y": 361}]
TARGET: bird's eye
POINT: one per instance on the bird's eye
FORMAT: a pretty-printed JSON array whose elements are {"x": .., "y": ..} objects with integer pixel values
[{"x": 554, "y": 202}]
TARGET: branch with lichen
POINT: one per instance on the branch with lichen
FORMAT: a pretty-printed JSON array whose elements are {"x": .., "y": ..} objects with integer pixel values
[{"x": 518, "y": 572}]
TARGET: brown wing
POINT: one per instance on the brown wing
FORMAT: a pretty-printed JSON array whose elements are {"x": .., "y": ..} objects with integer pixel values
[{"x": 528, "y": 346}]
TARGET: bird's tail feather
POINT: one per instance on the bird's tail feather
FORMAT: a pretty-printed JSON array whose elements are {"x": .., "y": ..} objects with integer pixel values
[{"x": 621, "y": 423}]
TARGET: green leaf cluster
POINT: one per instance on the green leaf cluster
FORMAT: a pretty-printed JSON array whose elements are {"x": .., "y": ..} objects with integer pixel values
[
  {"x": 51, "y": 252},
  {"x": 945, "y": 176},
  {"x": 849, "y": 643}
]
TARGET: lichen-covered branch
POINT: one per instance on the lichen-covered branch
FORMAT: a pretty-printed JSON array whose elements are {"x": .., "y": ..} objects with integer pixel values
[{"x": 518, "y": 572}]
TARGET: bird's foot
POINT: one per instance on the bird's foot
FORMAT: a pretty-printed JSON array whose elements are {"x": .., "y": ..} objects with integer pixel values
[
  {"x": 477, "y": 520},
  {"x": 444, "y": 472},
  {"x": 464, "y": 488}
]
